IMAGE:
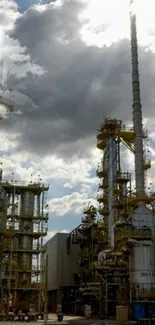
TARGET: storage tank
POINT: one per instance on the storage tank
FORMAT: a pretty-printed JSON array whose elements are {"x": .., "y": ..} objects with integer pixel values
[
  {"x": 143, "y": 252},
  {"x": 143, "y": 266}
]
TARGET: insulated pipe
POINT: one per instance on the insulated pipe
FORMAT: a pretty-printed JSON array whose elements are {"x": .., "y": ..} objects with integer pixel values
[
  {"x": 137, "y": 111},
  {"x": 102, "y": 254}
]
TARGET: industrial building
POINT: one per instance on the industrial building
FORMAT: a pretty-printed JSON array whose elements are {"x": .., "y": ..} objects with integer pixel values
[
  {"x": 117, "y": 250},
  {"x": 63, "y": 273}
]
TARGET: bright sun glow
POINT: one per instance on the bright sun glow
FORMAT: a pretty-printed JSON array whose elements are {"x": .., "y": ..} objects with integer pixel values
[{"x": 108, "y": 21}]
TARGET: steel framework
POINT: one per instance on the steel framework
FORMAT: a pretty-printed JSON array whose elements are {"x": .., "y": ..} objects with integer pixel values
[{"x": 25, "y": 209}]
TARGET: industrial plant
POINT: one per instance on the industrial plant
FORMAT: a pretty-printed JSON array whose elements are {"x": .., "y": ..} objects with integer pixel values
[
  {"x": 117, "y": 249},
  {"x": 104, "y": 266}
]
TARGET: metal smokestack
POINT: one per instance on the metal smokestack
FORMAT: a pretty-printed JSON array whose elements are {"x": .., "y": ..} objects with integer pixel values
[{"x": 137, "y": 110}]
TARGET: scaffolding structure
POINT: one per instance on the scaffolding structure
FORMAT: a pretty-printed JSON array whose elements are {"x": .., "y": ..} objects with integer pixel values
[{"x": 24, "y": 205}]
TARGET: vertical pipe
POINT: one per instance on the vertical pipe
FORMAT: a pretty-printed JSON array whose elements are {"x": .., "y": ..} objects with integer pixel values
[
  {"x": 42, "y": 249},
  {"x": 137, "y": 110}
]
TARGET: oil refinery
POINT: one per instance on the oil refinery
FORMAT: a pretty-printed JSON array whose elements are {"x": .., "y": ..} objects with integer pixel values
[
  {"x": 117, "y": 251},
  {"x": 116, "y": 240}
]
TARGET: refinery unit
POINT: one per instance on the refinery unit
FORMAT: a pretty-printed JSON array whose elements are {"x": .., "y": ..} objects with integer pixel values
[
  {"x": 23, "y": 228},
  {"x": 117, "y": 249}
]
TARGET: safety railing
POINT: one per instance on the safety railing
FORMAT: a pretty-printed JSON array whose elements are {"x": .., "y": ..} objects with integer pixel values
[
  {"x": 123, "y": 177},
  {"x": 22, "y": 248},
  {"x": 108, "y": 123},
  {"x": 145, "y": 293},
  {"x": 112, "y": 263},
  {"x": 25, "y": 184},
  {"x": 132, "y": 233},
  {"x": 21, "y": 285},
  {"x": 130, "y": 129},
  {"x": 29, "y": 216}
]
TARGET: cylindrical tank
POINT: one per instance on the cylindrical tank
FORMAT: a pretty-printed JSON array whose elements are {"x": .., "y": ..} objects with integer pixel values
[
  {"x": 143, "y": 266},
  {"x": 26, "y": 227},
  {"x": 27, "y": 203},
  {"x": 112, "y": 171}
]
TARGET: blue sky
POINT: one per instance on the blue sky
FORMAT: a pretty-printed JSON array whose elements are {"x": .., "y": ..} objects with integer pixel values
[{"x": 25, "y": 4}]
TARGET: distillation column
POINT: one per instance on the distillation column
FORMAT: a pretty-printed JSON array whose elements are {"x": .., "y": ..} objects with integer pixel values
[
  {"x": 26, "y": 227},
  {"x": 107, "y": 141},
  {"x": 112, "y": 172}
]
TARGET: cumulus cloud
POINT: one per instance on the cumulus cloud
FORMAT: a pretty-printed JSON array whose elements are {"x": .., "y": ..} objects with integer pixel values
[
  {"x": 65, "y": 82},
  {"x": 82, "y": 83},
  {"x": 74, "y": 202},
  {"x": 17, "y": 60}
]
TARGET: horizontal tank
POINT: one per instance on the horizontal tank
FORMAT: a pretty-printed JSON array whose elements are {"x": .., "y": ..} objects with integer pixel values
[{"x": 143, "y": 266}]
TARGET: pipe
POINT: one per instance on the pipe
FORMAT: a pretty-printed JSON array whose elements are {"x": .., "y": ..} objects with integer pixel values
[
  {"x": 102, "y": 254},
  {"x": 137, "y": 111}
]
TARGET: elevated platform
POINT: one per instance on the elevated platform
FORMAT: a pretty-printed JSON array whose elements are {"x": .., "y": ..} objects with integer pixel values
[
  {"x": 138, "y": 234},
  {"x": 23, "y": 250},
  {"x": 21, "y": 187},
  {"x": 27, "y": 216}
]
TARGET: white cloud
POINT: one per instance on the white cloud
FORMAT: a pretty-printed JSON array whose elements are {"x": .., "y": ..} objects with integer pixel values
[
  {"x": 17, "y": 60},
  {"x": 108, "y": 22},
  {"x": 74, "y": 203}
]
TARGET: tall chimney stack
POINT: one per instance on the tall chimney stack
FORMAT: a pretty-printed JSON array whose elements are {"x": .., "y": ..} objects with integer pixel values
[{"x": 137, "y": 110}]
